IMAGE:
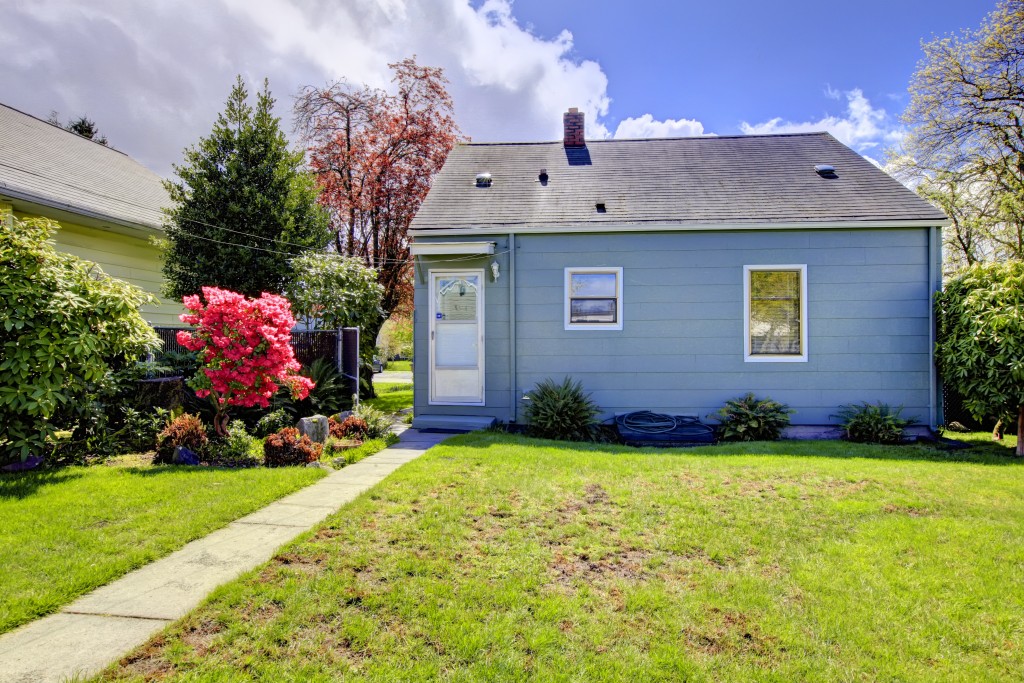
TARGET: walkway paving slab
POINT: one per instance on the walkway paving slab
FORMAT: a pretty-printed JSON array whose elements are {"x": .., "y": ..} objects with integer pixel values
[{"x": 101, "y": 627}]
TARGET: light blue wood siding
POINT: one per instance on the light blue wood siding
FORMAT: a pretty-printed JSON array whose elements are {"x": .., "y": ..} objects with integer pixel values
[{"x": 681, "y": 346}]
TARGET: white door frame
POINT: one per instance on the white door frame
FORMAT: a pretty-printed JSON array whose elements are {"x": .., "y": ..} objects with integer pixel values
[{"x": 467, "y": 400}]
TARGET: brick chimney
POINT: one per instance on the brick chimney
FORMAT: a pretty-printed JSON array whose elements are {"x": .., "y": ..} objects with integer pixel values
[{"x": 572, "y": 121}]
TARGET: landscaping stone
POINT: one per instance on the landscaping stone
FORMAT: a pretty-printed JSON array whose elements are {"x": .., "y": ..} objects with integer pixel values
[
  {"x": 316, "y": 428},
  {"x": 185, "y": 456}
]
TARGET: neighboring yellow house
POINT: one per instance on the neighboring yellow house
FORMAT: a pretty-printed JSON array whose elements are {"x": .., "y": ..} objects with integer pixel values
[{"x": 108, "y": 204}]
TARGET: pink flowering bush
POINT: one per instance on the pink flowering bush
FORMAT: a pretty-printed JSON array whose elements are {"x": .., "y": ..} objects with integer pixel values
[{"x": 244, "y": 347}]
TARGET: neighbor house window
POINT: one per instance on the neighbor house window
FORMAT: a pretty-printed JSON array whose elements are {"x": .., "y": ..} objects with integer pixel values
[
  {"x": 775, "y": 308},
  {"x": 593, "y": 298}
]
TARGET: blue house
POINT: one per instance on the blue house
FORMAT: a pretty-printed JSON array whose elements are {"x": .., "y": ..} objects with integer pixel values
[{"x": 672, "y": 275}]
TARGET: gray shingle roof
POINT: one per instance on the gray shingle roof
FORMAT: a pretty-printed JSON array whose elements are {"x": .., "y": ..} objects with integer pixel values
[
  {"x": 691, "y": 181},
  {"x": 44, "y": 164}
]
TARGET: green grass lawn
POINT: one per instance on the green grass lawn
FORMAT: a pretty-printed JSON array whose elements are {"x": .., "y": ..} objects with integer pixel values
[
  {"x": 399, "y": 366},
  {"x": 500, "y": 558},
  {"x": 392, "y": 398},
  {"x": 64, "y": 532}
]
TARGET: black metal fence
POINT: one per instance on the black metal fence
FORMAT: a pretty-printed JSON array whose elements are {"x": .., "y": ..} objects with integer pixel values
[
  {"x": 953, "y": 410},
  {"x": 307, "y": 345}
]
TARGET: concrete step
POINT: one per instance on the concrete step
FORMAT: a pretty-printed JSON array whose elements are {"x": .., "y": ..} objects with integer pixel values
[{"x": 453, "y": 423}]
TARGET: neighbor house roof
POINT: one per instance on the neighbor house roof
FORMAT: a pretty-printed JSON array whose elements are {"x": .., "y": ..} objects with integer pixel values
[
  {"x": 43, "y": 164},
  {"x": 736, "y": 181}
]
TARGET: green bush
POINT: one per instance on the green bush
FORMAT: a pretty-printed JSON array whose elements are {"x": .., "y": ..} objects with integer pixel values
[
  {"x": 185, "y": 430},
  {"x": 273, "y": 421},
  {"x": 378, "y": 423},
  {"x": 62, "y": 322},
  {"x": 980, "y": 343},
  {"x": 749, "y": 418},
  {"x": 238, "y": 449},
  {"x": 873, "y": 423},
  {"x": 561, "y": 411},
  {"x": 329, "y": 395},
  {"x": 140, "y": 427},
  {"x": 286, "y": 447}
]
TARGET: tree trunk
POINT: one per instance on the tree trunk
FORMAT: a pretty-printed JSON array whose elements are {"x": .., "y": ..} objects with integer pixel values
[{"x": 1020, "y": 432}]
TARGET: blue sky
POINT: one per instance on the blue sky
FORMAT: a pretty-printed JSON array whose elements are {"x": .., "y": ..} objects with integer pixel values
[
  {"x": 729, "y": 61},
  {"x": 153, "y": 77}
]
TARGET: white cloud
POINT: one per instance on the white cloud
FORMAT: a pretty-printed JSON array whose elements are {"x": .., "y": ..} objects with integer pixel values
[
  {"x": 862, "y": 127},
  {"x": 153, "y": 75},
  {"x": 647, "y": 126}
]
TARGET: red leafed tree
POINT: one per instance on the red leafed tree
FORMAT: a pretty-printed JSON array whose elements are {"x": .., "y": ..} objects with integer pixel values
[
  {"x": 244, "y": 345},
  {"x": 375, "y": 154}
]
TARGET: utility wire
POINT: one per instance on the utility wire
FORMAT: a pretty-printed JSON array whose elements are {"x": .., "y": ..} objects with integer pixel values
[{"x": 121, "y": 200}]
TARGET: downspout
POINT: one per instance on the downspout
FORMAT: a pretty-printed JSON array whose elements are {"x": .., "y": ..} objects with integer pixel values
[
  {"x": 934, "y": 253},
  {"x": 512, "y": 380}
]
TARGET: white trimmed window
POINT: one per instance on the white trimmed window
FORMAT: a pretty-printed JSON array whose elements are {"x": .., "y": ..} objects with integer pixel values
[
  {"x": 775, "y": 313},
  {"x": 593, "y": 298}
]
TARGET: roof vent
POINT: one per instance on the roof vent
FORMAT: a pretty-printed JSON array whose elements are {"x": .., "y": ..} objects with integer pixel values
[
  {"x": 543, "y": 176},
  {"x": 601, "y": 208},
  {"x": 826, "y": 170},
  {"x": 483, "y": 179}
]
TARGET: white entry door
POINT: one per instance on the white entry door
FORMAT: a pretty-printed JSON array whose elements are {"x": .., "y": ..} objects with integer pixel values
[{"x": 457, "y": 337}]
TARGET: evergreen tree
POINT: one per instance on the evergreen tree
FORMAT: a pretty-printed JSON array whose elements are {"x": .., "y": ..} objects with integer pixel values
[{"x": 243, "y": 206}]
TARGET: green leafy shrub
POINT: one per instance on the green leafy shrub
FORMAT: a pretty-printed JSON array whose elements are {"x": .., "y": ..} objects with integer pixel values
[
  {"x": 980, "y": 349},
  {"x": 286, "y": 447},
  {"x": 352, "y": 427},
  {"x": 62, "y": 323},
  {"x": 873, "y": 423},
  {"x": 273, "y": 421},
  {"x": 329, "y": 394},
  {"x": 749, "y": 418},
  {"x": 185, "y": 430},
  {"x": 237, "y": 449},
  {"x": 139, "y": 428},
  {"x": 378, "y": 423},
  {"x": 561, "y": 411}
]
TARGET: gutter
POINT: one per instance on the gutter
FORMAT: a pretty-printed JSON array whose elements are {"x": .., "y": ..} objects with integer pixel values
[
  {"x": 934, "y": 269},
  {"x": 76, "y": 211},
  {"x": 513, "y": 380},
  {"x": 671, "y": 227}
]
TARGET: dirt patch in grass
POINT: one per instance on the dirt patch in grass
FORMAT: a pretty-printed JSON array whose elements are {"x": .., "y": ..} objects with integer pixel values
[
  {"x": 567, "y": 568},
  {"x": 908, "y": 510},
  {"x": 728, "y": 633},
  {"x": 594, "y": 498},
  {"x": 301, "y": 563},
  {"x": 200, "y": 636},
  {"x": 147, "y": 662}
]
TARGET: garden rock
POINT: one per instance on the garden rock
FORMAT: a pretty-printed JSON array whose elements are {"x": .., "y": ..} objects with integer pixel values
[
  {"x": 316, "y": 428},
  {"x": 185, "y": 456}
]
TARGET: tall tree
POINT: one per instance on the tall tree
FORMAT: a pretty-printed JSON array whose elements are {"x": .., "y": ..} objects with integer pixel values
[
  {"x": 966, "y": 118},
  {"x": 375, "y": 154},
  {"x": 243, "y": 205},
  {"x": 83, "y": 126}
]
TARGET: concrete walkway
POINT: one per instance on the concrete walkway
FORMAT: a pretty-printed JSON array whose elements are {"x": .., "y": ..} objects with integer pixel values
[{"x": 106, "y": 624}]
